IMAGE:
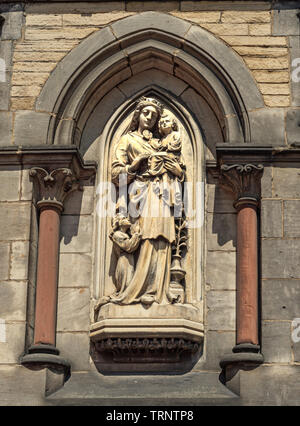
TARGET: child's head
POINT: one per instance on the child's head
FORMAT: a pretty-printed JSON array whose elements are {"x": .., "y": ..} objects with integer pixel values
[
  {"x": 167, "y": 124},
  {"x": 120, "y": 221}
]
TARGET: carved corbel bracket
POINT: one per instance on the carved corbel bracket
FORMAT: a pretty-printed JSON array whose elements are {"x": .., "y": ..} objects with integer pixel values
[
  {"x": 53, "y": 187},
  {"x": 242, "y": 179}
]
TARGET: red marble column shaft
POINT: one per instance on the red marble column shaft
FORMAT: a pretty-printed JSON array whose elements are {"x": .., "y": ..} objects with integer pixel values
[
  {"x": 47, "y": 274},
  {"x": 247, "y": 273}
]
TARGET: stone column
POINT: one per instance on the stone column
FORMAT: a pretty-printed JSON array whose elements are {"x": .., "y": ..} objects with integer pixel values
[
  {"x": 51, "y": 190},
  {"x": 244, "y": 181}
]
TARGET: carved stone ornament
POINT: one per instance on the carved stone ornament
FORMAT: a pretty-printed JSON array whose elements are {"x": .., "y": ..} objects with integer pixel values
[
  {"x": 53, "y": 187},
  {"x": 147, "y": 350},
  {"x": 149, "y": 242},
  {"x": 242, "y": 179}
]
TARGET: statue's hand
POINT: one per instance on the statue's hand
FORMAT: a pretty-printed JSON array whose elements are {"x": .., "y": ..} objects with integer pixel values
[
  {"x": 137, "y": 162},
  {"x": 173, "y": 167}
]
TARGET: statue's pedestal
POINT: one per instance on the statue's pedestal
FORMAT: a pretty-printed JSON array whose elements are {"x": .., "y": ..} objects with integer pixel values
[{"x": 159, "y": 333}]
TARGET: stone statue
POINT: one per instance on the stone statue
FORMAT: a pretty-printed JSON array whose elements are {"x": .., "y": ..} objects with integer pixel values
[{"x": 149, "y": 155}]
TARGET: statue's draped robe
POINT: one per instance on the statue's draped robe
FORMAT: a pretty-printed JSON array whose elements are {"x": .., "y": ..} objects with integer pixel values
[{"x": 155, "y": 218}]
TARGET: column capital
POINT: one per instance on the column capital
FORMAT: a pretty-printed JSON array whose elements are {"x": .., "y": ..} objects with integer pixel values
[
  {"x": 243, "y": 180},
  {"x": 52, "y": 187}
]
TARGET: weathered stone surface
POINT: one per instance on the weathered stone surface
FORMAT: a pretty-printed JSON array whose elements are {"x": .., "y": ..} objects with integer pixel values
[
  {"x": 270, "y": 385},
  {"x": 10, "y": 183},
  {"x": 267, "y": 126},
  {"x": 13, "y": 347},
  {"x": 260, "y": 29},
  {"x": 267, "y": 63},
  {"x": 22, "y": 103},
  {"x": 19, "y": 260},
  {"x": 291, "y": 219},
  {"x": 80, "y": 202},
  {"x": 293, "y": 125},
  {"x": 221, "y": 310},
  {"x": 226, "y": 29},
  {"x": 13, "y": 297},
  {"x": 280, "y": 258},
  {"x": 75, "y": 7},
  {"x": 20, "y": 386},
  {"x": 286, "y": 22},
  {"x": 219, "y": 200},
  {"x": 271, "y": 218},
  {"x": 141, "y": 6},
  {"x": 276, "y": 341},
  {"x": 26, "y": 186},
  {"x": 27, "y": 132},
  {"x": 5, "y": 128},
  {"x": 4, "y": 256},
  {"x": 274, "y": 89},
  {"x": 286, "y": 181},
  {"x": 68, "y": 33},
  {"x": 271, "y": 76},
  {"x": 73, "y": 309},
  {"x": 44, "y": 20},
  {"x": 277, "y": 101},
  {"x": 75, "y": 270},
  {"x": 217, "y": 344},
  {"x": 12, "y": 28},
  {"x": 220, "y": 270},
  {"x": 280, "y": 299},
  {"x": 266, "y": 183},
  {"x": 76, "y": 234},
  {"x": 6, "y": 49},
  {"x": 15, "y": 220},
  {"x": 93, "y": 20},
  {"x": 224, "y": 5},
  {"x": 75, "y": 347},
  {"x": 255, "y": 40},
  {"x": 235, "y": 17},
  {"x": 199, "y": 17},
  {"x": 221, "y": 231},
  {"x": 295, "y": 69}
]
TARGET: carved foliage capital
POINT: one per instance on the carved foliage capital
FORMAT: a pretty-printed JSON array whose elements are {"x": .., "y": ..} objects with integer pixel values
[
  {"x": 53, "y": 186},
  {"x": 242, "y": 179}
]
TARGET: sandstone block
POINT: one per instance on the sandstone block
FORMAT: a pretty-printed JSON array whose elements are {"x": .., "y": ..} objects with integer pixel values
[
  {"x": 94, "y": 20},
  {"x": 255, "y": 41},
  {"x": 44, "y": 20},
  {"x": 218, "y": 343},
  {"x": 38, "y": 56},
  {"x": 30, "y": 78},
  {"x": 10, "y": 184},
  {"x": 75, "y": 348},
  {"x": 199, "y": 17},
  {"x": 291, "y": 219},
  {"x": 25, "y": 91},
  {"x": 141, "y": 6},
  {"x": 221, "y": 231},
  {"x": 261, "y": 51},
  {"x": 4, "y": 265},
  {"x": 75, "y": 270},
  {"x": 34, "y": 66},
  {"x": 286, "y": 182},
  {"x": 67, "y": 33},
  {"x": 280, "y": 299},
  {"x": 260, "y": 29},
  {"x": 274, "y": 89},
  {"x": 267, "y": 63},
  {"x": 15, "y": 221},
  {"x": 280, "y": 258},
  {"x": 271, "y": 76},
  {"x": 76, "y": 234},
  {"x": 73, "y": 309},
  {"x": 276, "y": 341},
  {"x": 22, "y": 103},
  {"x": 80, "y": 202},
  {"x": 5, "y": 128},
  {"x": 221, "y": 310},
  {"x": 221, "y": 270},
  {"x": 277, "y": 101},
  {"x": 271, "y": 218},
  {"x": 19, "y": 260},
  {"x": 13, "y": 297},
  {"x": 236, "y": 16},
  {"x": 13, "y": 347},
  {"x": 226, "y": 29}
]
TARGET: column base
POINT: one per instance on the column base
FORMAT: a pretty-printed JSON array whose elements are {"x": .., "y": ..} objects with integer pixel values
[
  {"x": 244, "y": 355},
  {"x": 46, "y": 356}
]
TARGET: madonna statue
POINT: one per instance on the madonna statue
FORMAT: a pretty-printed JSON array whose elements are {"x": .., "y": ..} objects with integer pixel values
[{"x": 149, "y": 156}]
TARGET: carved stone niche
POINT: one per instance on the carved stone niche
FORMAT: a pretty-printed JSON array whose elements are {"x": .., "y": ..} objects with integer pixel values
[{"x": 148, "y": 275}]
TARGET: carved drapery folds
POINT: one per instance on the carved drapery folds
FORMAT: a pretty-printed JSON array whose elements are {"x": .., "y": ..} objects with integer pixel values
[
  {"x": 244, "y": 181},
  {"x": 150, "y": 255}
]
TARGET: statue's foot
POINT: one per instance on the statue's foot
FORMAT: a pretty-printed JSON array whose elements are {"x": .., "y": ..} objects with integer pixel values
[{"x": 147, "y": 299}]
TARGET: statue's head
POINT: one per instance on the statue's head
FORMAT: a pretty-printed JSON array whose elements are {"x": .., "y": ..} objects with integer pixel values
[
  {"x": 167, "y": 124},
  {"x": 146, "y": 115}
]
